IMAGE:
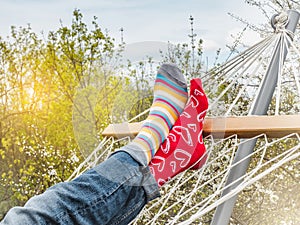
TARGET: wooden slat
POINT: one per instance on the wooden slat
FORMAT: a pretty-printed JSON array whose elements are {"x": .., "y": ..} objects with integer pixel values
[{"x": 220, "y": 127}]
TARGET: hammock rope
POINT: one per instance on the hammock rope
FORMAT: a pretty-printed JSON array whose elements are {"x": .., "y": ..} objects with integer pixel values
[{"x": 194, "y": 194}]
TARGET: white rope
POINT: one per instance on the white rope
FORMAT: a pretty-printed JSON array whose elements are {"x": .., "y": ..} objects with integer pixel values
[
  {"x": 242, "y": 90},
  {"x": 104, "y": 148},
  {"x": 224, "y": 68},
  {"x": 181, "y": 182},
  {"x": 249, "y": 179},
  {"x": 278, "y": 37},
  {"x": 220, "y": 154},
  {"x": 86, "y": 163},
  {"x": 139, "y": 115},
  {"x": 210, "y": 203},
  {"x": 246, "y": 63},
  {"x": 231, "y": 66}
]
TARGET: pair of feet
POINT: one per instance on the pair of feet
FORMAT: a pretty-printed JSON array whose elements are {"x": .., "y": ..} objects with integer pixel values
[{"x": 170, "y": 140}]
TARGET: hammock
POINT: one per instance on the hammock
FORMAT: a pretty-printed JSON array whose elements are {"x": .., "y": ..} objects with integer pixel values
[{"x": 237, "y": 143}]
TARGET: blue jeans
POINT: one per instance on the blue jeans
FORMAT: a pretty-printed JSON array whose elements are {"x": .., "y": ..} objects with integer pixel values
[{"x": 114, "y": 192}]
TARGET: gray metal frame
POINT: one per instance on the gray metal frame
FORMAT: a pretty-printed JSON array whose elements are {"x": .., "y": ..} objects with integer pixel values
[{"x": 260, "y": 107}]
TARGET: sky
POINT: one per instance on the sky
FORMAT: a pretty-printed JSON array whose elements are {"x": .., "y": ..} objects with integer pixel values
[{"x": 142, "y": 20}]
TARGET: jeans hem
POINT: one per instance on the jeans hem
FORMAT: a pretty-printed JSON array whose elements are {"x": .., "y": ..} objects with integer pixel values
[{"x": 149, "y": 184}]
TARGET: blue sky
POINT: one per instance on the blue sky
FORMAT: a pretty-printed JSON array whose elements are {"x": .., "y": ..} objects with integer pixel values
[{"x": 142, "y": 20}]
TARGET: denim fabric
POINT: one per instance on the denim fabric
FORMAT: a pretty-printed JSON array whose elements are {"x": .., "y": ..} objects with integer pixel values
[{"x": 113, "y": 192}]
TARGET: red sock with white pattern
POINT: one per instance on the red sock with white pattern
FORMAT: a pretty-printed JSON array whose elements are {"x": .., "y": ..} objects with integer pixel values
[{"x": 184, "y": 147}]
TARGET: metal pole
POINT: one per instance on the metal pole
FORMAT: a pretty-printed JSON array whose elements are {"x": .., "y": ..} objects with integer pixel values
[{"x": 260, "y": 107}]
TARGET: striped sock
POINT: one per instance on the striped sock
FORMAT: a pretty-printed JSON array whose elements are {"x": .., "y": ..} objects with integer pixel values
[
  {"x": 184, "y": 147},
  {"x": 170, "y": 96}
]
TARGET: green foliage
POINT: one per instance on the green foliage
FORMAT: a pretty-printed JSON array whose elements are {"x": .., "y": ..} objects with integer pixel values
[
  {"x": 56, "y": 97},
  {"x": 57, "y": 94}
]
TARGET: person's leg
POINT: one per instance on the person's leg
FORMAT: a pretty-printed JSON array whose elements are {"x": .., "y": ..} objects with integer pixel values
[
  {"x": 123, "y": 183},
  {"x": 184, "y": 147},
  {"x": 95, "y": 197}
]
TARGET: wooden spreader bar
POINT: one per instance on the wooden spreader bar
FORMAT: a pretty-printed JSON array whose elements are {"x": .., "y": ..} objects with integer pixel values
[{"x": 221, "y": 127}]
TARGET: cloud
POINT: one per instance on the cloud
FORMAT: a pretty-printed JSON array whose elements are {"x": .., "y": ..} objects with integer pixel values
[
  {"x": 138, "y": 51},
  {"x": 211, "y": 45}
]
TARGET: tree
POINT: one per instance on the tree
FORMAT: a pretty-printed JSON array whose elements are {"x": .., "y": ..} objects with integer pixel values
[{"x": 50, "y": 87}]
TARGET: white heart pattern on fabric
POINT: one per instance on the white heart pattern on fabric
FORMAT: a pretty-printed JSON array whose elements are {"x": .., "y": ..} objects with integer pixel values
[
  {"x": 173, "y": 137},
  {"x": 160, "y": 164},
  {"x": 183, "y": 156},
  {"x": 200, "y": 116},
  {"x": 166, "y": 146},
  {"x": 192, "y": 102},
  {"x": 173, "y": 165},
  {"x": 193, "y": 127},
  {"x": 184, "y": 133},
  {"x": 198, "y": 92}
]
